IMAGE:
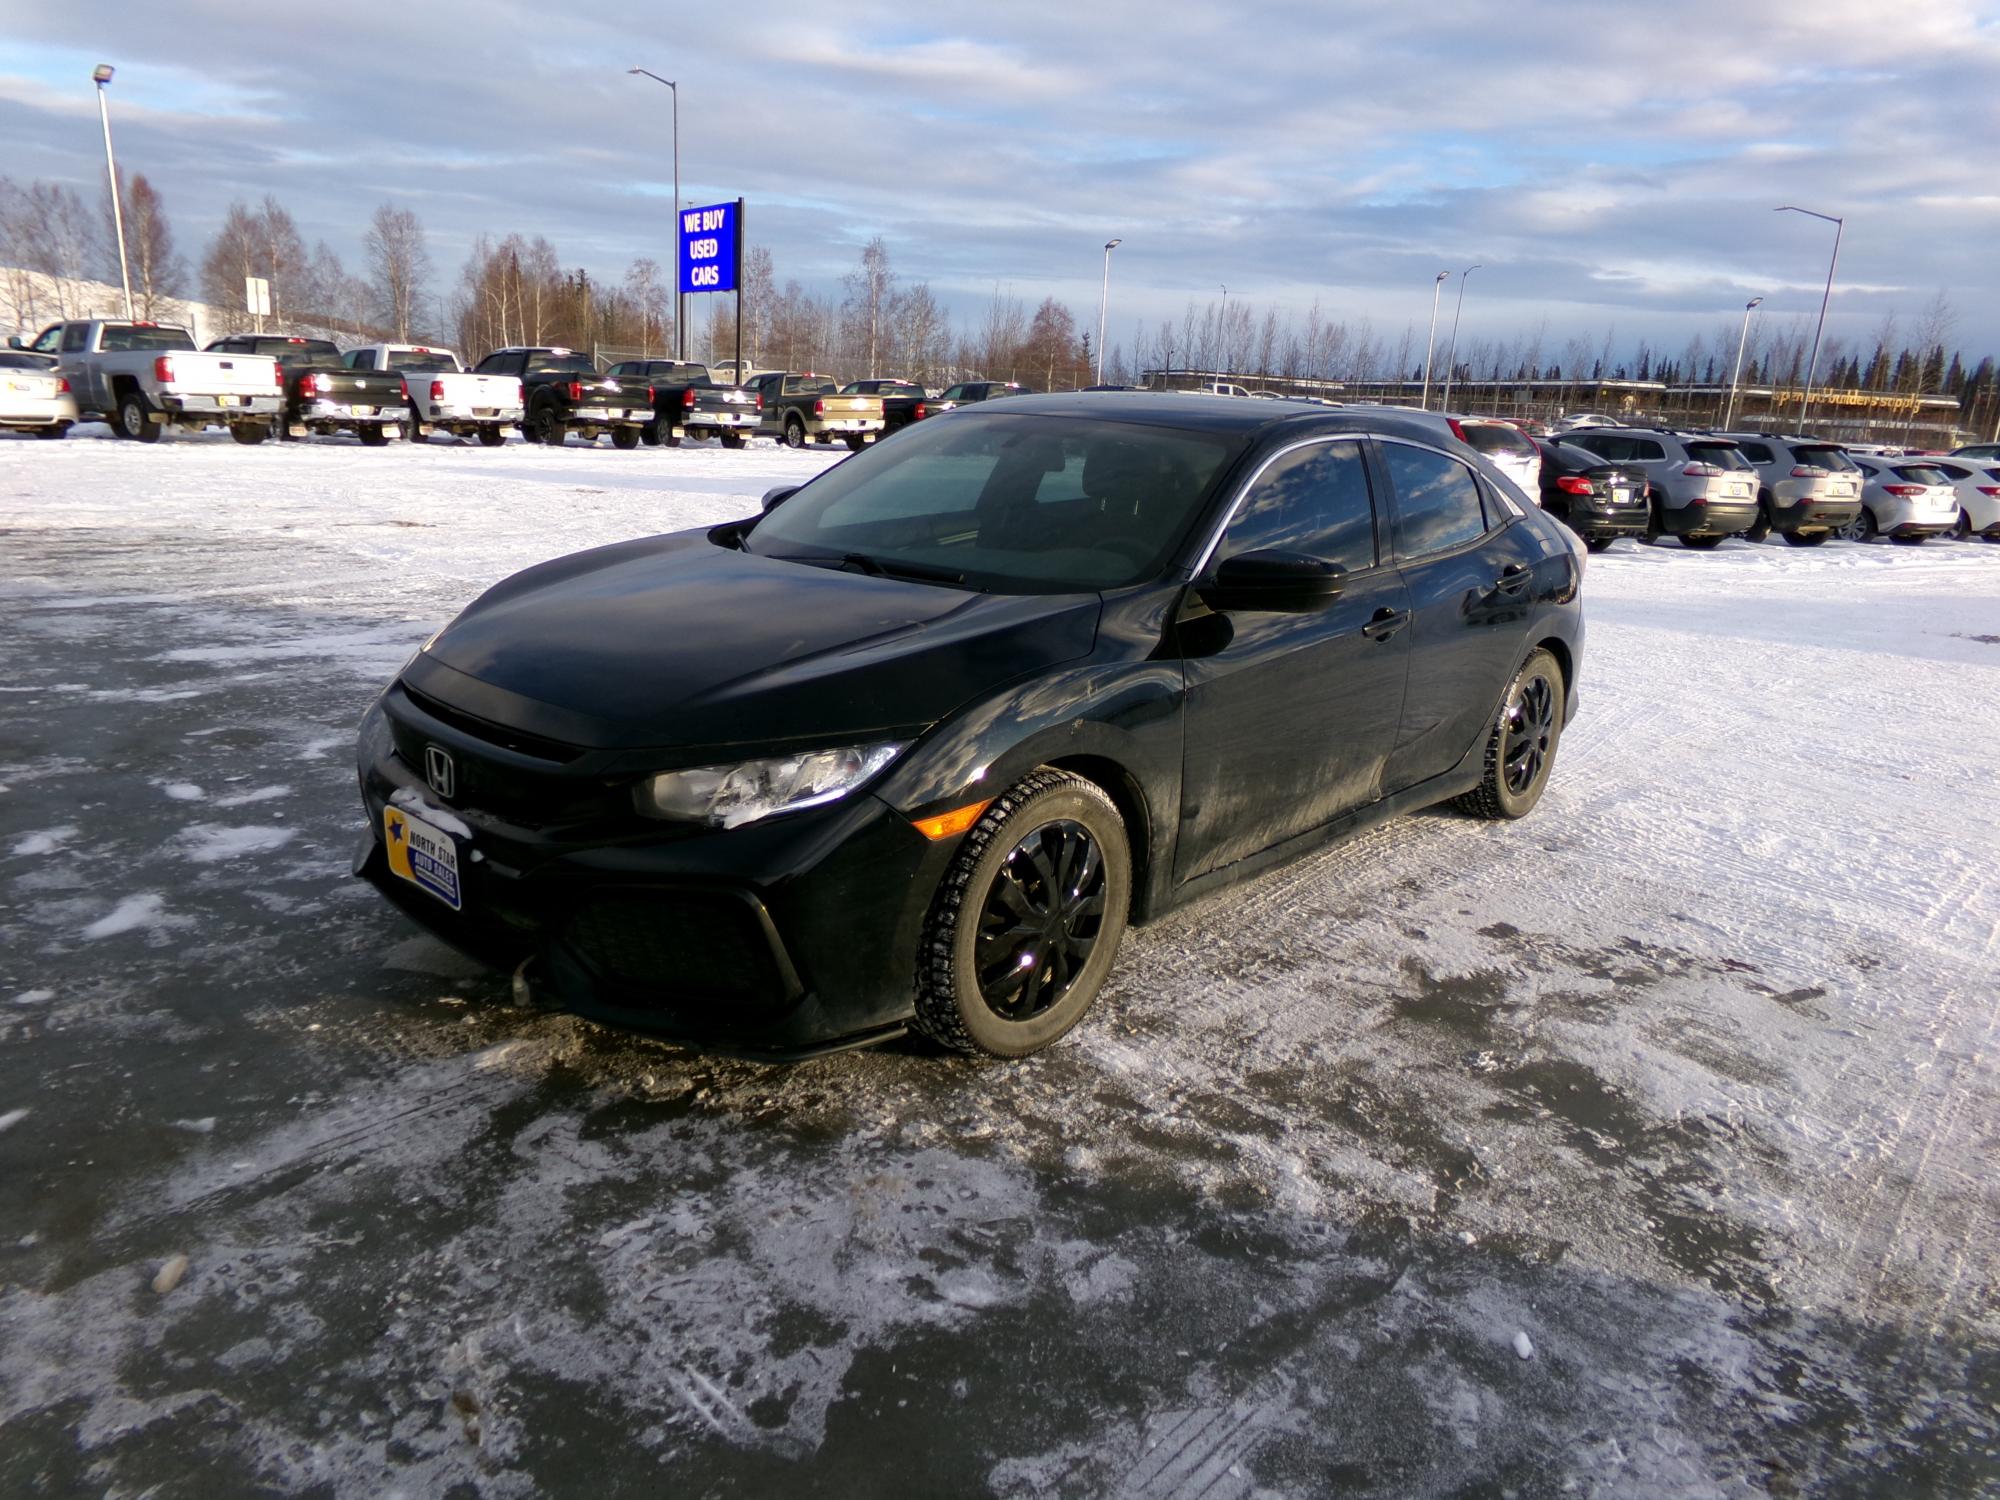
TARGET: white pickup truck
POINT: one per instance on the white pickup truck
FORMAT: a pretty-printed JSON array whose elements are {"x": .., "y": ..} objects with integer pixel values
[
  {"x": 444, "y": 395},
  {"x": 145, "y": 377}
]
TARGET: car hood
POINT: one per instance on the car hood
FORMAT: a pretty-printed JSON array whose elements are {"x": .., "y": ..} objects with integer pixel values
[{"x": 675, "y": 643}]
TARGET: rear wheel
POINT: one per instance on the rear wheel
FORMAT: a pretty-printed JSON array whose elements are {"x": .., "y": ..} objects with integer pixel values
[
  {"x": 53, "y": 430},
  {"x": 1702, "y": 543},
  {"x": 249, "y": 433},
  {"x": 732, "y": 439},
  {"x": 134, "y": 420},
  {"x": 624, "y": 437},
  {"x": 855, "y": 444},
  {"x": 1908, "y": 541},
  {"x": 1026, "y": 923},
  {"x": 1761, "y": 527},
  {"x": 491, "y": 437},
  {"x": 1962, "y": 527},
  {"x": 795, "y": 433},
  {"x": 1521, "y": 746},
  {"x": 1598, "y": 543},
  {"x": 651, "y": 434},
  {"x": 1860, "y": 529},
  {"x": 372, "y": 435},
  {"x": 1806, "y": 538}
]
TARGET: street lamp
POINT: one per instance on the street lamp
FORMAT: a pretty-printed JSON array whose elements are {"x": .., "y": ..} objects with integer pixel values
[
  {"x": 1430, "y": 344},
  {"x": 1222, "y": 333},
  {"x": 1812, "y": 364},
  {"x": 101, "y": 75},
  {"x": 1729, "y": 413},
  {"x": 1103, "y": 299},
  {"x": 1451, "y": 359},
  {"x": 680, "y": 297}
]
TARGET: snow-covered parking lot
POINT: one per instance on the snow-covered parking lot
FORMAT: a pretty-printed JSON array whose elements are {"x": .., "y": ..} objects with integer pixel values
[{"x": 1643, "y": 1148}]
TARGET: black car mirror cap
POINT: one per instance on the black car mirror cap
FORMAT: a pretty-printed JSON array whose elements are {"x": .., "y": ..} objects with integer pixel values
[
  {"x": 1273, "y": 582},
  {"x": 777, "y": 495},
  {"x": 14, "y": 342}
]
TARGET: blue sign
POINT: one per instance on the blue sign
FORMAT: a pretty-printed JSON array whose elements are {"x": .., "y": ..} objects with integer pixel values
[{"x": 709, "y": 247}]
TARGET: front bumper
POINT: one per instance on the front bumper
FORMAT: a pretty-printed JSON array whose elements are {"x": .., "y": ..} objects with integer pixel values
[{"x": 780, "y": 939}]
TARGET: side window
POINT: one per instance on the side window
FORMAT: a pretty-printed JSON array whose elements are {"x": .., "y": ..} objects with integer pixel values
[
  {"x": 1437, "y": 500},
  {"x": 1313, "y": 500},
  {"x": 1757, "y": 453},
  {"x": 1603, "y": 447},
  {"x": 1646, "y": 451},
  {"x": 48, "y": 340},
  {"x": 74, "y": 337}
]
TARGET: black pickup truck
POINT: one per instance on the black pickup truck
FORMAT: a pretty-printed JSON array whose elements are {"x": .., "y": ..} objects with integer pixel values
[
  {"x": 689, "y": 402},
  {"x": 566, "y": 394},
  {"x": 321, "y": 394},
  {"x": 903, "y": 401}
]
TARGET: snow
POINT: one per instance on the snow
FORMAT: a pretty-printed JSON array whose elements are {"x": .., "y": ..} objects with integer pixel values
[
  {"x": 450, "y": 822},
  {"x": 1689, "y": 1074},
  {"x": 11, "y": 1118},
  {"x": 46, "y": 842}
]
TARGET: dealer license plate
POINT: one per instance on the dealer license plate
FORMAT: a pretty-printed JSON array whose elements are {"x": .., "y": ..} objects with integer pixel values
[{"x": 423, "y": 854}]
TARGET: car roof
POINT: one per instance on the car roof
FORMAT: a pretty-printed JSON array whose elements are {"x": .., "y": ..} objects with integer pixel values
[{"x": 1227, "y": 415}]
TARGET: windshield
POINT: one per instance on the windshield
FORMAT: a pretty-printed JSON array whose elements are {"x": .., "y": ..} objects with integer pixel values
[
  {"x": 1021, "y": 505},
  {"x": 1825, "y": 458},
  {"x": 1722, "y": 455},
  {"x": 120, "y": 338},
  {"x": 428, "y": 363},
  {"x": 1922, "y": 474}
]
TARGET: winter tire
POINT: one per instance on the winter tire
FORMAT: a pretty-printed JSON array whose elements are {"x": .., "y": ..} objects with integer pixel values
[
  {"x": 625, "y": 437},
  {"x": 372, "y": 436},
  {"x": 795, "y": 433},
  {"x": 1521, "y": 747},
  {"x": 133, "y": 420},
  {"x": 491, "y": 437},
  {"x": 732, "y": 440},
  {"x": 249, "y": 433},
  {"x": 1026, "y": 923}
]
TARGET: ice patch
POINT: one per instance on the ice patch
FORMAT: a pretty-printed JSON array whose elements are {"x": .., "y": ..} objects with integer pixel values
[
  {"x": 183, "y": 791},
  {"x": 207, "y": 844},
  {"x": 1523, "y": 1345},
  {"x": 34, "y": 997},
  {"x": 262, "y": 794},
  {"x": 134, "y": 911},
  {"x": 12, "y": 1118},
  {"x": 204, "y": 1126},
  {"x": 45, "y": 842}
]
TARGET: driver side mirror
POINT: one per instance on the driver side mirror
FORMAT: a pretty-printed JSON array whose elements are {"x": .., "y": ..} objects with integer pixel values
[
  {"x": 778, "y": 495},
  {"x": 1275, "y": 582},
  {"x": 14, "y": 341}
]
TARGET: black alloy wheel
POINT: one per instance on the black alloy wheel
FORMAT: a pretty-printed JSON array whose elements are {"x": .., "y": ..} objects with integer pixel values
[
  {"x": 1027, "y": 920},
  {"x": 544, "y": 426},
  {"x": 1521, "y": 747}
]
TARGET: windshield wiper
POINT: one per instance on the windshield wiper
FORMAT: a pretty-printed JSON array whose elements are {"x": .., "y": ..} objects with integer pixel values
[{"x": 917, "y": 572}]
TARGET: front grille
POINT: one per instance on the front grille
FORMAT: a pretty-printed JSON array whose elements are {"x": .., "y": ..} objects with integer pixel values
[
  {"x": 520, "y": 742},
  {"x": 673, "y": 947}
]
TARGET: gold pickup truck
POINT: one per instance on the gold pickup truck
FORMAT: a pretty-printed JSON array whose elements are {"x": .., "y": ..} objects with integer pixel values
[{"x": 798, "y": 407}]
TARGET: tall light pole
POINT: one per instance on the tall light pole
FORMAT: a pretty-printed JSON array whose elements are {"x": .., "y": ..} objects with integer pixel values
[
  {"x": 1812, "y": 364},
  {"x": 680, "y": 297},
  {"x": 1451, "y": 359},
  {"x": 1222, "y": 333},
  {"x": 101, "y": 75},
  {"x": 1430, "y": 344},
  {"x": 1103, "y": 300},
  {"x": 1729, "y": 412}
]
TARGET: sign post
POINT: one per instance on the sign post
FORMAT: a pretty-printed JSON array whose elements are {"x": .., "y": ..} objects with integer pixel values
[{"x": 711, "y": 257}]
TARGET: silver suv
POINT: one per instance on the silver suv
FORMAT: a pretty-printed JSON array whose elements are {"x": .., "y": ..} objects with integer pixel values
[
  {"x": 1703, "y": 488},
  {"x": 1807, "y": 487},
  {"x": 1904, "y": 499}
]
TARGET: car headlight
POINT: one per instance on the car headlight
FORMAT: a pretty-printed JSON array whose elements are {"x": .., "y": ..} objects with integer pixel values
[{"x": 730, "y": 796}]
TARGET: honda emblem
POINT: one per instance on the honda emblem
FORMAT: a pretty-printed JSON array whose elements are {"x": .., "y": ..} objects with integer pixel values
[{"x": 440, "y": 771}]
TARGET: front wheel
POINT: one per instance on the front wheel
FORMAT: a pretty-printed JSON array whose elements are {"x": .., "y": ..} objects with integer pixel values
[
  {"x": 1962, "y": 527},
  {"x": 795, "y": 434},
  {"x": 1025, "y": 925},
  {"x": 134, "y": 423},
  {"x": 1521, "y": 746},
  {"x": 1806, "y": 538},
  {"x": 856, "y": 444}
]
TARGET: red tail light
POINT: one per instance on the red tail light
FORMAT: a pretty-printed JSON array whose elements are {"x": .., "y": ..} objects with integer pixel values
[
  {"x": 1704, "y": 471},
  {"x": 1991, "y": 491},
  {"x": 819, "y": 408},
  {"x": 278, "y": 375},
  {"x": 437, "y": 390},
  {"x": 1574, "y": 484},
  {"x": 309, "y": 386},
  {"x": 576, "y": 390},
  {"x": 62, "y": 389},
  {"x": 687, "y": 397},
  {"x": 1457, "y": 428},
  {"x": 1905, "y": 490},
  {"x": 163, "y": 369},
  {"x": 921, "y": 412},
  {"x": 1810, "y": 471},
  {"x": 760, "y": 401}
]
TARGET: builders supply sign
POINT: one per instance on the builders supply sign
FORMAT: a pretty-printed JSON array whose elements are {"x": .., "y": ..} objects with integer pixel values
[{"x": 710, "y": 246}]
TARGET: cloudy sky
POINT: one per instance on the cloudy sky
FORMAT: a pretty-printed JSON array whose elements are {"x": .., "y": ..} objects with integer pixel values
[{"x": 1607, "y": 165}]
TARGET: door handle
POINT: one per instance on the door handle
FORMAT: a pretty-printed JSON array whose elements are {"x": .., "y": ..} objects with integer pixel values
[
  {"x": 1385, "y": 623},
  {"x": 1513, "y": 578}
]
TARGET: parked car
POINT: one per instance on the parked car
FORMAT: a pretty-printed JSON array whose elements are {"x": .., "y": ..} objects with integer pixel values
[
  {"x": 1506, "y": 447},
  {"x": 443, "y": 395},
  {"x": 322, "y": 395},
  {"x": 145, "y": 377},
  {"x": 808, "y": 406},
  {"x": 1904, "y": 500},
  {"x": 912, "y": 747},
  {"x": 33, "y": 396},
  {"x": 732, "y": 372},
  {"x": 1578, "y": 419},
  {"x": 1703, "y": 488},
  {"x": 564, "y": 394},
  {"x": 968, "y": 391},
  {"x": 688, "y": 402},
  {"x": 1807, "y": 488},
  {"x": 903, "y": 401},
  {"x": 1978, "y": 488},
  {"x": 1976, "y": 450},
  {"x": 1599, "y": 500}
]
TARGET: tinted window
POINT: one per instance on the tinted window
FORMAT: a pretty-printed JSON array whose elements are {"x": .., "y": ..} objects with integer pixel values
[
  {"x": 1313, "y": 500},
  {"x": 1922, "y": 474},
  {"x": 1835, "y": 459},
  {"x": 74, "y": 336},
  {"x": 1643, "y": 450},
  {"x": 1722, "y": 455},
  {"x": 127, "y": 336},
  {"x": 1496, "y": 438},
  {"x": 1437, "y": 500},
  {"x": 1015, "y": 505},
  {"x": 1605, "y": 447},
  {"x": 430, "y": 363},
  {"x": 14, "y": 359},
  {"x": 1758, "y": 453}
]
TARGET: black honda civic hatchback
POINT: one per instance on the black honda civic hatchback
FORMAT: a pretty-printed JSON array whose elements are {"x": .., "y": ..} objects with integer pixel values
[{"x": 913, "y": 747}]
